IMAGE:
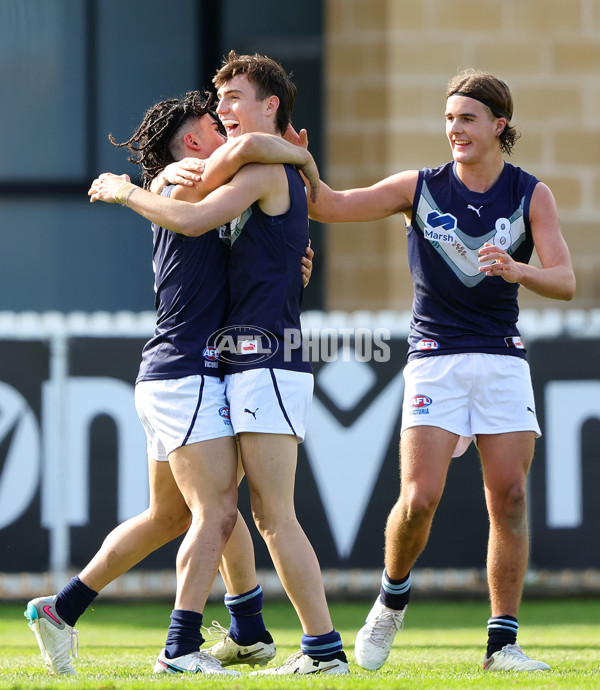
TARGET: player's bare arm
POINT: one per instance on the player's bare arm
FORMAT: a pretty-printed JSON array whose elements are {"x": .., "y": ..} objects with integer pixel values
[
  {"x": 204, "y": 176},
  {"x": 393, "y": 195},
  {"x": 259, "y": 147},
  {"x": 385, "y": 198},
  {"x": 252, "y": 183},
  {"x": 555, "y": 278}
]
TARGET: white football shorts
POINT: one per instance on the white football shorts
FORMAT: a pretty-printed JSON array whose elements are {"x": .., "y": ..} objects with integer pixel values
[
  {"x": 270, "y": 401},
  {"x": 179, "y": 412},
  {"x": 469, "y": 394}
]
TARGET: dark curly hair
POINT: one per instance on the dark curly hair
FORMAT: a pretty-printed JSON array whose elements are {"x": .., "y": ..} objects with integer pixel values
[
  {"x": 494, "y": 93},
  {"x": 151, "y": 143}
]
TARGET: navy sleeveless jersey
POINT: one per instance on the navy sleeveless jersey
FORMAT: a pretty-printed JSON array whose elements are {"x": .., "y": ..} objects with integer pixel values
[
  {"x": 455, "y": 308},
  {"x": 265, "y": 285},
  {"x": 192, "y": 297}
]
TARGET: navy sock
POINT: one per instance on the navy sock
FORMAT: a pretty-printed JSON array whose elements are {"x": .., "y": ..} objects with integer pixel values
[
  {"x": 184, "y": 635},
  {"x": 73, "y": 599},
  {"x": 247, "y": 626},
  {"x": 502, "y": 630},
  {"x": 322, "y": 647},
  {"x": 394, "y": 594}
]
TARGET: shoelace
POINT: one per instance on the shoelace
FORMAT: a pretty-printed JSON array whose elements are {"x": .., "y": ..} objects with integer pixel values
[
  {"x": 382, "y": 628},
  {"x": 61, "y": 660},
  {"x": 515, "y": 650},
  {"x": 74, "y": 643},
  {"x": 215, "y": 632},
  {"x": 291, "y": 660},
  {"x": 209, "y": 661}
]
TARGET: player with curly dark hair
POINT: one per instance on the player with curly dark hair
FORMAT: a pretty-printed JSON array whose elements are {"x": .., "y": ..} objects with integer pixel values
[
  {"x": 180, "y": 397},
  {"x": 269, "y": 398},
  {"x": 157, "y": 142}
]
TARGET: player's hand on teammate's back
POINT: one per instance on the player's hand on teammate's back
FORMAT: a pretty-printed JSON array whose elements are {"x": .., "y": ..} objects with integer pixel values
[
  {"x": 309, "y": 169},
  {"x": 298, "y": 138},
  {"x": 186, "y": 172},
  {"x": 307, "y": 264}
]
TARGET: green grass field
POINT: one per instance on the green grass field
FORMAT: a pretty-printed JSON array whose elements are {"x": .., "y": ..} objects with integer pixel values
[{"x": 441, "y": 647}]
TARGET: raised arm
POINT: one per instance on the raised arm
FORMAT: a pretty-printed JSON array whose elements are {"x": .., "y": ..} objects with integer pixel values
[
  {"x": 204, "y": 176},
  {"x": 392, "y": 195},
  {"x": 258, "y": 148}
]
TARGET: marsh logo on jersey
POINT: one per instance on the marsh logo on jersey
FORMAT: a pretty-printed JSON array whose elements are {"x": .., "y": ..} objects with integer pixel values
[
  {"x": 440, "y": 227},
  {"x": 427, "y": 344},
  {"x": 211, "y": 356}
]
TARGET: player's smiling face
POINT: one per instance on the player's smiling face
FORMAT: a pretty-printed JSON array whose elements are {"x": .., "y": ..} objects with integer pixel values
[
  {"x": 239, "y": 110},
  {"x": 470, "y": 128}
]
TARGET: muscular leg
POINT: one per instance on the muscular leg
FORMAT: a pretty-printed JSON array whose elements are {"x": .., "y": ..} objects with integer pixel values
[
  {"x": 506, "y": 459},
  {"x": 270, "y": 465},
  {"x": 238, "y": 568},
  {"x": 425, "y": 454},
  {"x": 205, "y": 473},
  {"x": 131, "y": 541},
  {"x": 243, "y": 599}
]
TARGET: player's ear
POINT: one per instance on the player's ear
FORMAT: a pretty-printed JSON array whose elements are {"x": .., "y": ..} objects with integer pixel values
[
  {"x": 191, "y": 141},
  {"x": 272, "y": 104}
]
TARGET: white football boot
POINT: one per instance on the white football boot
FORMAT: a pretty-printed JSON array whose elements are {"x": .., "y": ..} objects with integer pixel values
[
  {"x": 374, "y": 640},
  {"x": 196, "y": 662},
  {"x": 229, "y": 652},
  {"x": 512, "y": 658},
  {"x": 57, "y": 640},
  {"x": 302, "y": 664}
]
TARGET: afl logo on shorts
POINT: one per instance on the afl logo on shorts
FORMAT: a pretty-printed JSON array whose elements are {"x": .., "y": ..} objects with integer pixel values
[
  {"x": 427, "y": 344},
  {"x": 210, "y": 353},
  {"x": 419, "y": 401},
  {"x": 224, "y": 412}
]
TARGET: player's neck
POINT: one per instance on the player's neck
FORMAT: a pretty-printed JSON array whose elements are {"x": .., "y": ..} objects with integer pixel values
[
  {"x": 480, "y": 176},
  {"x": 268, "y": 128}
]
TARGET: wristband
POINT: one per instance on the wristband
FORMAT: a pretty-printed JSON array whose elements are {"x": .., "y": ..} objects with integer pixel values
[{"x": 124, "y": 192}]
